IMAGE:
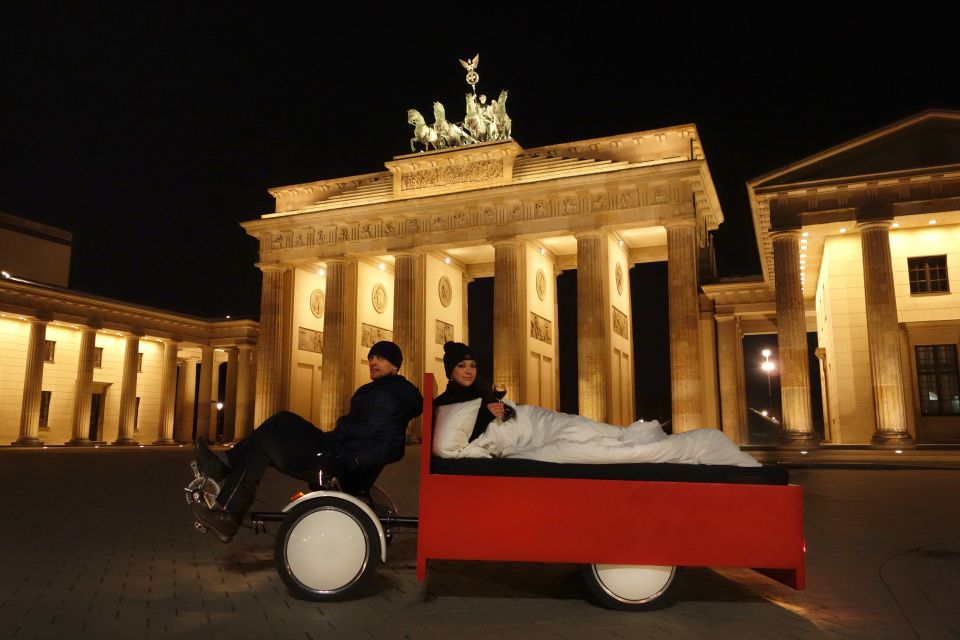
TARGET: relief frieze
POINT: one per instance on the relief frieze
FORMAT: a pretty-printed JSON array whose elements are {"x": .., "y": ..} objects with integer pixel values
[{"x": 451, "y": 175}]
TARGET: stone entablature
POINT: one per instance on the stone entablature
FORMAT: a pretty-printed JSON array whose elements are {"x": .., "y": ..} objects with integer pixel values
[
  {"x": 72, "y": 308},
  {"x": 503, "y": 164}
]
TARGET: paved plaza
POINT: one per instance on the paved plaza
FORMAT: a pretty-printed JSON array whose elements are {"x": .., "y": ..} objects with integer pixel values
[{"x": 99, "y": 544}]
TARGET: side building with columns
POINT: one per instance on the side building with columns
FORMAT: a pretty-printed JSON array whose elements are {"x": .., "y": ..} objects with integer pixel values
[
  {"x": 83, "y": 370},
  {"x": 860, "y": 245},
  {"x": 388, "y": 255}
]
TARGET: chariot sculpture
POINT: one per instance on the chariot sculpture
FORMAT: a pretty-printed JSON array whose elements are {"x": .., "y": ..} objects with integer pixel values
[{"x": 482, "y": 122}]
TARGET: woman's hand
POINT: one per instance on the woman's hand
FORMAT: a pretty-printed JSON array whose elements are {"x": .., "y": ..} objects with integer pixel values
[{"x": 496, "y": 408}]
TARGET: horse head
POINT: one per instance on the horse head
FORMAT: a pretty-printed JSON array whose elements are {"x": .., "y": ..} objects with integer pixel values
[
  {"x": 414, "y": 118},
  {"x": 439, "y": 113}
]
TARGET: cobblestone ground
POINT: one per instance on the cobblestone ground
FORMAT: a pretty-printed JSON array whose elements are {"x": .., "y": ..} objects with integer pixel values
[{"x": 99, "y": 544}]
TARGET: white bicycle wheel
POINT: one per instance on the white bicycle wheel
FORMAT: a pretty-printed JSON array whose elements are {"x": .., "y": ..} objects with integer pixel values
[
  {"x": 326, "y": 548},
  {"x": 629, "y": 587}
]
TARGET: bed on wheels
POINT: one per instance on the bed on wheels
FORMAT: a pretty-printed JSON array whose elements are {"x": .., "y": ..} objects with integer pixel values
[{"x": 630, "y": 526}]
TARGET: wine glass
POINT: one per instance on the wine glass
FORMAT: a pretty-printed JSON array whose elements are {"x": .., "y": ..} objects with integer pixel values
[{"x": 499, "y": 391}]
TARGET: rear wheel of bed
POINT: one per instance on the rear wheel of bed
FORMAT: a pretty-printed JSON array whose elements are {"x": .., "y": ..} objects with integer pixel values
[
  {"x": 326, "y": 548},
  {"x": 629, "y": 587}
]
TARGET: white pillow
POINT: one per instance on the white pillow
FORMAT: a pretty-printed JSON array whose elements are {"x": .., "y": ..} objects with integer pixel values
[{"x": 452, "y": 426}]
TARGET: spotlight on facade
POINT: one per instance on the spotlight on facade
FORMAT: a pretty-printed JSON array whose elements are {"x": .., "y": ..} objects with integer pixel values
[
  {"x": 895, "y": 225},
  {"x": 843, "y": 229},
  {"x": 805, "y": 234},
  {"x": 803, "y": 453},
  {"x": 228, "y": 317},
  {"x": 220, "y": 405},
  {"x": 321, "y": 272},
  {"x": 382, "y": 266},
  {"x": 620, "y": 244},
  {"x": 447, "y": 260},
  {"x": 932, "y": 222},
  {"x": 898, "y": 451},
  {"x": 543, "y": 251}
]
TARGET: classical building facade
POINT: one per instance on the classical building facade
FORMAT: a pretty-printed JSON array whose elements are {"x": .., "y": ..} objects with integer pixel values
[
  {"x": 79, "y": 369},
  {"x": 861, "y": 245},
  {"x": 351, "y": 260}
]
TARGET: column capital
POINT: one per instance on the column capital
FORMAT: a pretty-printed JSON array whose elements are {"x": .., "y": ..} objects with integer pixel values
[
  {"x": 784, "y": 233},
  {"x": 680, "y": 222},
  {"x": 591, "y": 233},
  {"x": 513, "y": 242},
  {"x": 244, "y": 347},
  {"x": 725, "y": 317},
  {"x": 877, "y": 223},
  {"x": 271, "y": 266}
]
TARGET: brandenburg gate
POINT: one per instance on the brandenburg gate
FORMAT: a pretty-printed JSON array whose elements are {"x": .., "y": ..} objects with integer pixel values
[{"x": 388, "y": 255}]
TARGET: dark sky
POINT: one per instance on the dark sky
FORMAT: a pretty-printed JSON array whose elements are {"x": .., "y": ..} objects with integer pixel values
[{"x": 150, "y": 130}]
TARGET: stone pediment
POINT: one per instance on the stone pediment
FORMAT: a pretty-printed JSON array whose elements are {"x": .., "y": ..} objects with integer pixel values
[{"x": 929, "y": 139}]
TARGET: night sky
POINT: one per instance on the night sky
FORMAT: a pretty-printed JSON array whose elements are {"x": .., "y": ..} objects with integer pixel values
[{"x": 150, "y": 130}]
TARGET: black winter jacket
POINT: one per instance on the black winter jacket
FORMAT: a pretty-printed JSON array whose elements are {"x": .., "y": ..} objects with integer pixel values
[{"x": 374, "y": 433}]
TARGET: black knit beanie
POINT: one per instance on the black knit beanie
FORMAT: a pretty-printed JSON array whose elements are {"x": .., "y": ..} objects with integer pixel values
[
  {"x": 453, "y": 354},
  {"x": 388, "y": 351}
]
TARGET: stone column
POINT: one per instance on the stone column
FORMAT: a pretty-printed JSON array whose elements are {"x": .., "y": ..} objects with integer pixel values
[
  {"x": 82, "y": 402},
  {"x": 270, "y": 342},
  {"x": 128, "y": 391},
  {"x": 32, "y": 385},
  {"x": 593, "y": 326},
  {"x": 409, "y": 322},
  {"x": 792, "y": 341},
  {"x": 168, "y": 393},
  {"x": 242, "y": 421},
  {"x": 205, "y": 427},
  {"x": 728, "y": 358},
  {"x": 252, "y": 389},
  {"x": 230, "y": 401},
  {"x": 686, "y": 386},
  {"x": 465, "y": 309},
  {"x": 509, "y": 304},
  {"x": 883, "y": 337},
  {"x": 339, "y": 341},
  {"x": 821, "y": 354},
  {"x": 188, "y": 400}
]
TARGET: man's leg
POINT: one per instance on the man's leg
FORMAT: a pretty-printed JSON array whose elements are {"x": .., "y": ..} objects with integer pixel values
[{"x": 285, "y": 441}]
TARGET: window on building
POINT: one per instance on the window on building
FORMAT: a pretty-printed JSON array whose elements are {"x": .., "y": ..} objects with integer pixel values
[
  {"x": 98, "y": 357},
  {"x": 928, "y": 274},
  {"x": 136, "y": 413},
  {"x": 139, "y": 363},
  {"x": 45, "y": 409},
  {"x": 937, "y": 379},
  {"x": 50, "y": 347}
]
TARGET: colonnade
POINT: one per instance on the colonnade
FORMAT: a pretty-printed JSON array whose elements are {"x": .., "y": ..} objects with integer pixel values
[
  {"x": 178, "y": 403},
  {"x": 605, "y": 363}
]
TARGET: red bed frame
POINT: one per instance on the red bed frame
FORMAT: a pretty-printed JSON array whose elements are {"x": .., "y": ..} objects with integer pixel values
[{"x": 607, "y": 521}]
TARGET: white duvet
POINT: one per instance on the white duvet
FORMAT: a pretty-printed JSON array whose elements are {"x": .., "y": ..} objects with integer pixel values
[{"x": 539, "y": 434}]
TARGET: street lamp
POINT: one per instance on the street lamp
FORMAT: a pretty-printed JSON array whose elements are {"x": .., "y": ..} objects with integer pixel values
[{"x": 767, "y": 365}]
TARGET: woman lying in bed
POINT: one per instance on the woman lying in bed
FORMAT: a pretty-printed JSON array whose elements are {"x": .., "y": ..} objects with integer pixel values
[{"x": 469, "y": 422}]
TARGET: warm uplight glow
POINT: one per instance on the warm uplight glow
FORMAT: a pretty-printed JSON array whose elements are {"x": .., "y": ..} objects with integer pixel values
[
  {"x": 447, "y": 260},
  {"x": 382, "y": 266},
  {"x": 321, "y": 272},
  {"x": 843, "y": 229}
]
